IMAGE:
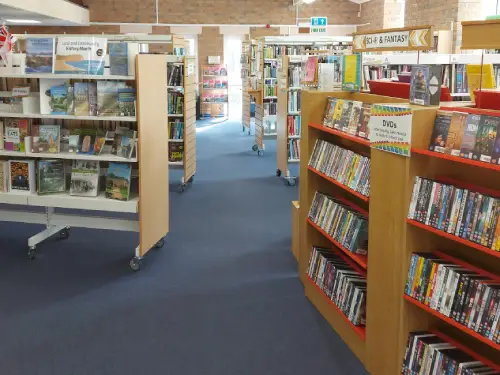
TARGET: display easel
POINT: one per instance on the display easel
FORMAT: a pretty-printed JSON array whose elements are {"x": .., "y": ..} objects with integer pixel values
[
  {"x": 150, "y": 203},
  {"x": 188, "y": 163}
]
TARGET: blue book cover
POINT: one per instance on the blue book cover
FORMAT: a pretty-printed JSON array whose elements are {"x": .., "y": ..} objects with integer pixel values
[
  {"x": 39, "y": 55},
  {"x": 118, "y": 59},
  {"x": 80, "y": 55},
  {"x": 59, "y": 100}
]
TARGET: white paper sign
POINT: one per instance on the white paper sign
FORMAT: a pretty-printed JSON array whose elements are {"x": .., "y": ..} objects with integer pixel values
[
  {"x": 21, "y": 91},
  {"x": 390, "y": 128}
]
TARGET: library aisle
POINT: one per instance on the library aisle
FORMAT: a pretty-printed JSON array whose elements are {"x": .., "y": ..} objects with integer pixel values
[{"x": 222, "y": 297}]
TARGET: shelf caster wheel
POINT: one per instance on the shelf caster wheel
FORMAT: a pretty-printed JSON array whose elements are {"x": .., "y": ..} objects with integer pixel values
[
  {"x": 191, "y": 179},
  {"x": 278, "y": 173},
  {"x": 255, "y": 148},
  {"x": 135, "y": 264},
  {"x": 160, "y": 244},
  {"x": 182, "y": 188},
  {"x": 31, "y": 252},
  {"x": 260, "y": 152},
  {"x": 292, "y": 182},
  {"x": 64, "y": 234}
]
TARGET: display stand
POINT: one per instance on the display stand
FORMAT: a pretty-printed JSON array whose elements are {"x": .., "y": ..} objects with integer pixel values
[
  {"x": 151, "y": 203},
  {"x": 214, "y": 91},
  {"x": 188, "y": 163}
]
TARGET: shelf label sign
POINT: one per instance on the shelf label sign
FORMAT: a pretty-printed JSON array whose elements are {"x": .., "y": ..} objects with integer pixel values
[
  {"x": 390, "y": 129},
  {"x": 318, "y": 25},
  {"x": 397, "y": 40}
]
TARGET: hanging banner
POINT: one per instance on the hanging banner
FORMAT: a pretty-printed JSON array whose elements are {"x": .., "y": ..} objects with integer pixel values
[
  {"x": 408, "y": 38},
  {"x": 390, "y": 129}
]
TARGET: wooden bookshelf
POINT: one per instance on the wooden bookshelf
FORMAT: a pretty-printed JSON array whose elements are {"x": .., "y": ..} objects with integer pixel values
[
  {"x": 212, "y": 108},
  {"x": 247, "y": 71}
]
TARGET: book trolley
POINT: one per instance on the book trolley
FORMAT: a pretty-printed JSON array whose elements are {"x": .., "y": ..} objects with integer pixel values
[
  {"x": 186, "y": 144},
  {"x": 146, "y": 212},
  {"x": 214, "y": 91},
  {"x": 392, "y": 238},
  {"x": 248, "y": 72}
]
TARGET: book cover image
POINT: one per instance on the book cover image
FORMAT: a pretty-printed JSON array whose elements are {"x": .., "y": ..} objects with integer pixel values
[
  {"x": 15, "y": 132},
  {"x": 100, "y": 140},
  {"x": 126, "y": 101},
  {"x": 118, "y": 181},
  {"x": 49, "y": 138},
  {"x": 20, "y": 178},
  {"x": 51, "y": 177},
  {"x": 118, "y": 59},
  {"x": 59, "y": 100},
  {"x": 440, "y": 132},
  {"x": 81, "y": 93},
  {"x": 80, "y": 55},
  {"x": 85, "y": 178},
  {"x": 455, "y": 134},
  {"x": 45, "y": 93},
  {"x": 127, "y": 143},
  {"x": 419, "y": 85},
  {"x": 86, "y": 141},
  {"x": 346, "y": 115},
  {"x": 107, "y": 98},
  {"x": 351, "y": 72},
  {"x": 175, "y": 152},
  {"x": 357, "y": 107},
  {"x": 363, "y": 130},
  {"x": 92, "y": 95},
  {"x": 485, "y": 139},
  {"x": 469, "y": 138},
  {"x": 39, "y": 55}
]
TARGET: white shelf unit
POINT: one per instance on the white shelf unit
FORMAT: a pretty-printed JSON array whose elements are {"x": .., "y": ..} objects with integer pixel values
[
  {"x": 151, "y": 209},
  {"x": 67, "y": 76},
  {"x": 214, "y": 108}
]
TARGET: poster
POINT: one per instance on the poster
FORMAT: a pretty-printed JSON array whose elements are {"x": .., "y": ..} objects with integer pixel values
[
  {"x": 390, "y": 129},
  {"x": 351, "y": 72}
]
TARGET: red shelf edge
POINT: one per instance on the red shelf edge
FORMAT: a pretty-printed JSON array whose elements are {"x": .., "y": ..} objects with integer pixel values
[
  {"x": 452, "y": 237},
  {"x": 465, "y": 349},
  {"x": 360, "y": 330},
  {"x": 360, "y": 260},
  {"x": 467, "y": 265},
  {"x": 459, "y": 326},
  {"x": 341, "y": 134},
  {"x": 346, "y": 188},
  {"x": 465, "y": 185},
  {"x": 456, "y": 159}
]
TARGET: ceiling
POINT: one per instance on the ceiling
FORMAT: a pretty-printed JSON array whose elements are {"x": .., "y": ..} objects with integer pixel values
[{"x": 47, "y": 12}]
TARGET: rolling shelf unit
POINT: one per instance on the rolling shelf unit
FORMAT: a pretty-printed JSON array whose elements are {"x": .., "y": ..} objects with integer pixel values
[
  {"x": 188, "y": 163},
  {"x": 148, "y": 211},
  {"x": 214, "y": 109},
  {"x": 248, "y": 72}
]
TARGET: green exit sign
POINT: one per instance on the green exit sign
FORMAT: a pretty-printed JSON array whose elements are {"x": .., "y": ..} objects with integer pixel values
[{"x": 318, "y": 30}]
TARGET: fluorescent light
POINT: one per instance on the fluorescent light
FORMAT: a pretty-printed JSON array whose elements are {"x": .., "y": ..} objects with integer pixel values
[
  {"x": 25, "y": 21},
  {"x": 309, "y": 1}
]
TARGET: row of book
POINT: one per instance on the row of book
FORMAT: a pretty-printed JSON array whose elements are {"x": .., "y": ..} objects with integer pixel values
[
  {"x": 469, "y": 298},
  {"x": 272, "y": 52},
  {"x": 176, "y": 129},
  {"x": 345, "y": 166},
  {"x": 270, "y": 108},
  {"x": 175, "y": 74},
  {"x": 348, "y": 116},
  {"x": 469, "y": 136},
  {"x": 175, "y": 103},
  {"x": 218, "y": 70},
  {"x": 294, "y": 72},
  {"x": 293, "y": 125},
  {"x": 294, "y": 101},
  {"x": 294, "y": 149},
  {"x": 428, "y": 354},
  {"x": 214, "y": 84},
  {"x": 49, "y": 177},
  {"x": 270, "y": 72},
  {"x": 54, "y": 139},
  {"x": 270, "y": 90},
  {"x": 340, "y": 282},
  {"x": 212, "y": 97},
  {"x": 270, "y": 125},
  {"x": 461, "y": 212},
  {"x": 341, "y": 222}
]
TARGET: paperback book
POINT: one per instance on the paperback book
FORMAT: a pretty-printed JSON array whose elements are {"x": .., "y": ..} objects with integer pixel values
[
  {"x": 100, "y": 141},
  {"x": 175, "y": 152},
  {"x": 469, "y": 138},
  {"x": 81, "y": 92},
  {"x": 59, "y": 100},
  {"x": 107, "y": 98},
  {"x": 440, "y": 131},
  {"x": 351, "y": 72},
  {"x": 86, "y": 141},
  {"x": 73, "y": 140},
  {"x": 118, "y": 59},
  {"x": 45, "y": 93},
  {"x": 455, "y": 134},
  {"x": 15, "y": 132},
  {"x": 51, "y": 177},
  {"x": 126, "y": 101},
  {"x": 40, "y": 55},
  {"x": 80, "y": 55},
  {"x": 118, "y": 181},
  {"x": 22, "y": 176},
  {"x": 485, "y": 139},
  {"x": 127, "y": 144},
  {"x": 85, "y": 178},
  {"x": 48, "y": 139}
]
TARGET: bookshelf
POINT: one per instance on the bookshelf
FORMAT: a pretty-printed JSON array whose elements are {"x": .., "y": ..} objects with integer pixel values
[
  {"x": 183, "y": 147},
  {"x": 214, "y": 91},
  {"x": 147, "y": 208},
  {"x": 248, "y": 73}
]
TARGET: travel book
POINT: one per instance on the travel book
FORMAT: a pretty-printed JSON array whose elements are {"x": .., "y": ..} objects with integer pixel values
[
  {"x": 440, "y": 131},
  {"x": 51, "y": 177},
  {"x": 85, "y": 178},
  {"x": 86, "y": 141},
  {"x": 22, "y": 176},
  {"x": 80, "y": 55},
  {"x": 469, "y": 138},
  {"x": 425, "y": 85},
  {"x": 45, "y": 93},
  {"x": 59, "y": 100},
  {"x": 455, "y": 134},
  {"x": 351, "y": 72},
  {"x": 45, "y": 138},
  {"x": 40, "y": 55},
  {"x": 107, "y": 98},
  {"x": 81, "y": 93},
  {"x": 4, "y": 176},
  {"x": 126, "y": 101},
  {"x": 92, "y": 95},
  {"x": 127, "y": 144},
  {"x": 100, "y": 140},
  {"x": 118, "y": 179},
  {"x": 485, "y": 139},
  {"x": 118, "y": 59}
]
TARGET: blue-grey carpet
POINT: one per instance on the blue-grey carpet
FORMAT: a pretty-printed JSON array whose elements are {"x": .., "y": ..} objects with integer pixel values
[{"x": 222, "y": 297}]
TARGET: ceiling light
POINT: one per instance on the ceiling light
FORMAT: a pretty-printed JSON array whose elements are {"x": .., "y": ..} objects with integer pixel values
[
  {"x": 22, "y": 21},
  {"x": 309, "y": 1}
]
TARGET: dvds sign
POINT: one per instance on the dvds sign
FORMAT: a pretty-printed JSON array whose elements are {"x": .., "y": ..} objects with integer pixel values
[
  {"x": 394, "y": 40},
  {"x": 390, "y": 129}
]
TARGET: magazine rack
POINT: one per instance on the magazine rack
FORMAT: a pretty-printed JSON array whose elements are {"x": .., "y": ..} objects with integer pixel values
[
  {"x": 214, "y": 109},
  {"x": 148, "y": 212}
]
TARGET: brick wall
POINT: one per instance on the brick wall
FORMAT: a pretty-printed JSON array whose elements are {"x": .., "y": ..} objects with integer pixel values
[{"x": 210, "y": 43}]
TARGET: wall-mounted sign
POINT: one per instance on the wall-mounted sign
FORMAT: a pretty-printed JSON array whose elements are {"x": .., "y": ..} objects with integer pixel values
[
  {"x": 390, "y": 129},
  {"x": 214, "y": 59},
  {"x": 318, "y": 25},
  {"x": 394, "y": 40}
]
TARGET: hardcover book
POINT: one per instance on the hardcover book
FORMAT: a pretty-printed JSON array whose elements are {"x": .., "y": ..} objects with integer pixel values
[
  {"x": 51, "y": 177},
  {"x": 48, "y": 139},
  {"x": 15, "y": 132},
  {"x": 486, "y": 136},
  {"x": 440, "y": 131},
  {"x": 118, "y": 59},
  {"x": 425, "y": 86},
  {"x": 22, "y": 176},
  {"x": 455, "y": 134},
  {"x": 85, "y": 178},
  {"x": 107, "y": 98},
  {"x": 80, "y": 55},
  {"x": 469, "y": 138},
  {"x": 39, "y": 55},
  {"x": 118, "y": 181},
  {"x": 81, "y": 91}
]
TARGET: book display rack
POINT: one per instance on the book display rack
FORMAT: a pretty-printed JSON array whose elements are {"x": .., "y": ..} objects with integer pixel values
[
  {"x": 31, "y": 172},
  {"x": 248, "y": 72},
  {"x": 182, "y": 116},
  {"x": 214, "y": 91},
  {"x": 405, "y": 293}
]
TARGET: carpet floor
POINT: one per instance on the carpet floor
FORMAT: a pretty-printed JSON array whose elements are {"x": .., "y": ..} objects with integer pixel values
[{"x": 222, "y": 297}]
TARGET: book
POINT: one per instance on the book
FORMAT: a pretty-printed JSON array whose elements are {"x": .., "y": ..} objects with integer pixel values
[
  {"x": 15, "y": 132},
  {"x": 126, "y": 101},
  {"x": 479, "y": 75},
  {"x": 81, "y": 92},
  {"x": 100, "y": 140},
  {"x": 175, "y": 152},
  {"x": 455, "y": 133},
  {"x": 86, "y": 141},
  {"x": 4, "y": 176},
  {"x": 485, "y": 139},
  {"x": 337, "y": 114},
  {"x": 440, "y": 130},
  {"x": 118, "y": 59},
  {"x": 40, "y": 55},
  {"x": 346, "y": 115},
  {"x": 73, "y": 140},
  {"x": 48, "y": 139},
  {"x": 127, "y": 144},
  {"x": 22, "y": 176},
  {"x": 80, "y": 55},
  {"x": 363, "y": 129},
  {"x": 45, "y": 93},
  {"x": 118, "y": 179},
  {"x": 310, "y": 70},
  {"x": 351, "y": 72},
  {"x": 51, "y": 177},
  {"x": 469, "y": 138},
  {"x": 354, "y": 119},
  {"x": 425, "y": 85},
  {"x": 92, "y": 95},
  {"x": 85, "y": 178},
  {"x": 107, "y": 98},
  {"x": 59, "y": 100}
]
